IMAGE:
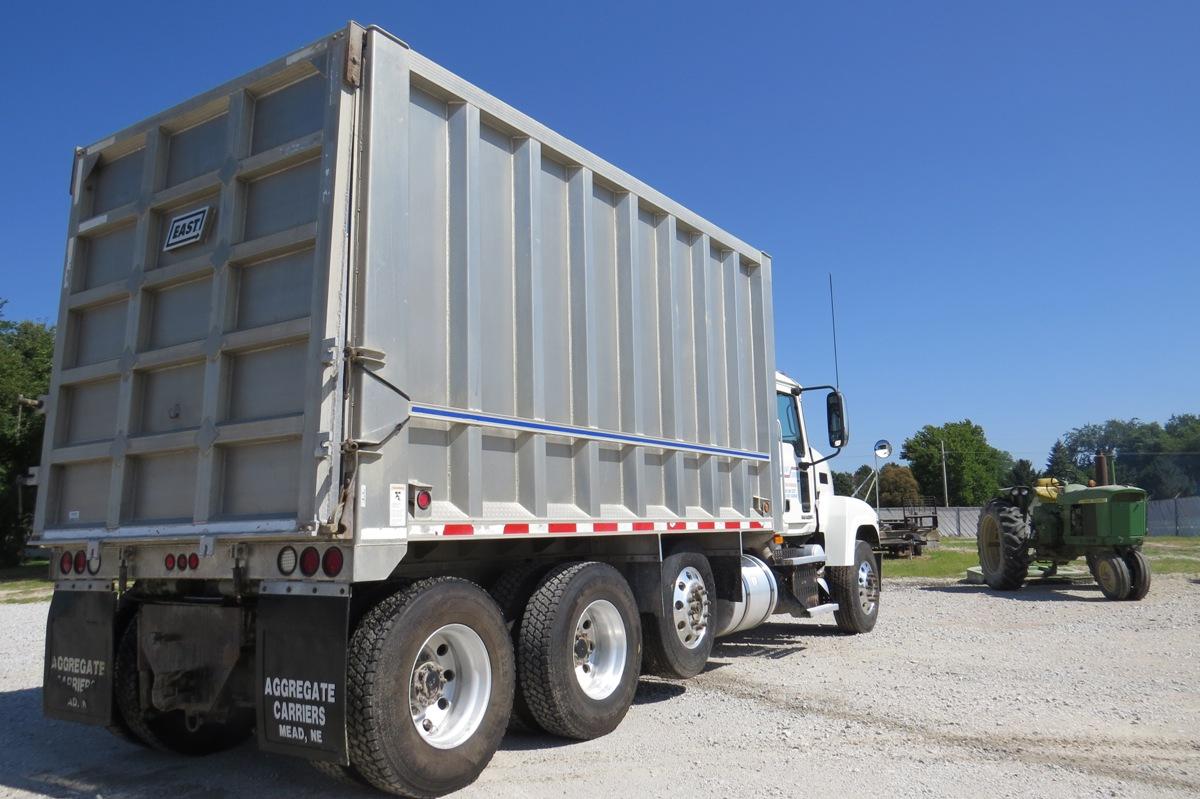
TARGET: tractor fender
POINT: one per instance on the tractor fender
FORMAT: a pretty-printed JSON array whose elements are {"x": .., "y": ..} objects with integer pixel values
[{"x": 844, "y": 520}]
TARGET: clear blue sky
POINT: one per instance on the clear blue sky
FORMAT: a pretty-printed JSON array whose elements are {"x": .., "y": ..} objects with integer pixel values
[{"x": 1007, "y": 194}]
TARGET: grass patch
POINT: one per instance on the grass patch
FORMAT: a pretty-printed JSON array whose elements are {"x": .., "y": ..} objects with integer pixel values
[
  {"x": 942, "y": 561},
  {"x": 953, "y": 556},
  {"x": 29, "y": 582},
  {"x": 34, "y": 574}
]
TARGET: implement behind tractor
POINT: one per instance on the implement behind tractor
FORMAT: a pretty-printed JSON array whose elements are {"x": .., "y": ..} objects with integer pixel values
[{"x": 1057, "y": 523}]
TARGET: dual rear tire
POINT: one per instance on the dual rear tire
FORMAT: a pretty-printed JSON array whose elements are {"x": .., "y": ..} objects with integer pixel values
[
  {"x": 170, "y": 731},
  {"x": 430, "y": 687},
  {"x": 580, "y": 650},
  {"x": 433, "y": 674}
]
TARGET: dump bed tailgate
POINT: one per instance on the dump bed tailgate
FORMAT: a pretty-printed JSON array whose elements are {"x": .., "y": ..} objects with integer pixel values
[{"x": 197, "y": 373}]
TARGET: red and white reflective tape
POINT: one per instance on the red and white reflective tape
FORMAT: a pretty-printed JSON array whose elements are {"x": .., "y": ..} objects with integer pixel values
[{"x": 583, "y": 528}]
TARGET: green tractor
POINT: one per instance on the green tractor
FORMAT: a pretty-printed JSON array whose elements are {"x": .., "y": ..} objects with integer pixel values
[{"x": 1055, "y": 523}]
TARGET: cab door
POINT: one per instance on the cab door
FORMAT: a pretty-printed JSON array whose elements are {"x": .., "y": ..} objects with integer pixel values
[{"x": 798, "y": 507}]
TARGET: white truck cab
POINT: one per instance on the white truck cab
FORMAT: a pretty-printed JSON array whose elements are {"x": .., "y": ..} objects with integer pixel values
[{"x": 812, "y": 512}]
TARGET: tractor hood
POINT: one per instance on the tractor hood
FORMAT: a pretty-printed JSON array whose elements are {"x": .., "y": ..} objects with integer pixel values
[{"x": 1083, "y": 495}]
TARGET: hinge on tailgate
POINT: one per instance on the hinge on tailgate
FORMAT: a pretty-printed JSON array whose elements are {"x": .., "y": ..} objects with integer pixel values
[
  {"x": 355, "y": 38},
  {"x": 366, "y": 356}
]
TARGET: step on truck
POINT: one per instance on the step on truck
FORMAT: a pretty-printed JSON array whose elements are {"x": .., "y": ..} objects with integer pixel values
[{"x": 384, "y": 418}]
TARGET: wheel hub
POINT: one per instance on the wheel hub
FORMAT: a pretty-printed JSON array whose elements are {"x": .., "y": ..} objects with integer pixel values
[
  {"x": 868, "y": 587},
  {"x": 1106, "y": 574},
  {"x": 450, "y": 686},
  {"x": 599, "y": 649},
  {"x": 989, "y": 545},
  {"x": 690, "y": 607}
]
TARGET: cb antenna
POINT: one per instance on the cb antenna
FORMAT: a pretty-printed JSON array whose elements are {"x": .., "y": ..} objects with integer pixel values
[{"x": 837, "y": 377}]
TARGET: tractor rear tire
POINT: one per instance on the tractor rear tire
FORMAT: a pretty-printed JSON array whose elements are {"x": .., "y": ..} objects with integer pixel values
[
  {"x": 1002, "y": 539},
  {"x": 1112, "y": 575},
  {"x": 1139, "y": 574}
]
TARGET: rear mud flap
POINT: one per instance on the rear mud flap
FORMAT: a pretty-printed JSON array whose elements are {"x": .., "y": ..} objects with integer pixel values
[
  {"x": 77, "y": 684},
  {"x": 301, "y": 671}
]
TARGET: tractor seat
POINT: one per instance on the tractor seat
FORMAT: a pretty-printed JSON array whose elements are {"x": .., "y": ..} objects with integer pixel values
[{"x": 1048, "y": 489}]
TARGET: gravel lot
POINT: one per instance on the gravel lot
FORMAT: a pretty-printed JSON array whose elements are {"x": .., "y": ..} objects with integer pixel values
[{"x": 1053, "y": 692}]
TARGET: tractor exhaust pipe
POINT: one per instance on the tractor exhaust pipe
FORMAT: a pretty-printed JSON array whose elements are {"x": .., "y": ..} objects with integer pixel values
[{"x": 1101, "y": 469}]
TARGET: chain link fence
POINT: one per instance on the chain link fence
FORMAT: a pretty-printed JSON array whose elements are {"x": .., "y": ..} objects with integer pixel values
[
  {"x": 1163, "y": 517},
  {"x": 1174, "y": 516}
]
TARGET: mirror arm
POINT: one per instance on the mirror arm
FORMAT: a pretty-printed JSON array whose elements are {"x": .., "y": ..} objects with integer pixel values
[
  {"x": 830, "y": 456},
  {"x": 814, "y": 388}
]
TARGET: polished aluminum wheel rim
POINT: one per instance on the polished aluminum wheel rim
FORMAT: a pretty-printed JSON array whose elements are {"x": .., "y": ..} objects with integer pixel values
[
  {"x": 450, "y": 686},
  {"x": 690, "y": 607},
  {"x": 599, "y": 649},
  {"x": 868, "y": 587}
]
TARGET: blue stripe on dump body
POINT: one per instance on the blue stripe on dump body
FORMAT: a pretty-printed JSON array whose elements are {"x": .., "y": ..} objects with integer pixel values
[{"x": 578, "y": 432}]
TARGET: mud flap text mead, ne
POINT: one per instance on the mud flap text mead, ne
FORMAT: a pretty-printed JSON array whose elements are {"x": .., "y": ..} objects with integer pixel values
[
  {"x": 301, "y": 674},
  {"x": 77, "y": 684}
]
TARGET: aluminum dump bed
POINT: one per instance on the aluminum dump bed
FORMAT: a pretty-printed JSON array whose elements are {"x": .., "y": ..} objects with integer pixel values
[
  {"x": 203, "y": 286},
  {"x": 292, "y": 302}
]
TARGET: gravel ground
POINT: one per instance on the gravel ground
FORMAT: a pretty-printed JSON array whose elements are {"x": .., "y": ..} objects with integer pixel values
[{"x": 1049, "y": 691}]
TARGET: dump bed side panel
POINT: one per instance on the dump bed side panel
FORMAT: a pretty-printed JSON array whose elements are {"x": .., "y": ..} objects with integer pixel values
[
  {"x": 575, "y": 346},
  {"x": 192, "y": 389}
]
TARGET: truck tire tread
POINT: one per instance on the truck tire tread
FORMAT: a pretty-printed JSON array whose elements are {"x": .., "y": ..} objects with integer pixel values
[
  {"x": 843, "y": 585},
  {"x": 547, "y": 695},
  {"x": 663, "y": 654},
  {"x": 512, "y": 592},
  {"x": 368, "y": 698}
]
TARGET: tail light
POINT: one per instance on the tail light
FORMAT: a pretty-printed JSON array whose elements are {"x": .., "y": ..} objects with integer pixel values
[
  {"x": 420, "y": 499},
  {"x": 286, "y": 560},
  {"x": 310, "y": 561},
  {"x": 193, "y": 561},
  {"x": 424, "y": 499},
  {"x": 65, "y": 563},
  {"x": 169, "y": 562},
  {"x": 181, "y": 561},
  {"x": 80, "y": 561},
  {"x": 332, "y": 562}
]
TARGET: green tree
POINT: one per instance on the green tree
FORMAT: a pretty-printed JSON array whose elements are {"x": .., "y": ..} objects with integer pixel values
[
  {"x": 897, "y": 486},
  {"x": 843, "y": 483},
  {"x": 1061, "y": 466},
  {"x": 973, "y": 467},
  {"x": 26, "y": 350},
  {"x": 1161, "y": 459},
  {"x": 1022, "y": 473}
]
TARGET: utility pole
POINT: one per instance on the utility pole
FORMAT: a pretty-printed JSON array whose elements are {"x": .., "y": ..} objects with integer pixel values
[{"x": 945, "y": 484}]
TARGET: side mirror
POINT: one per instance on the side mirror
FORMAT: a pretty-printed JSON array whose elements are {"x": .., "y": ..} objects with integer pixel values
[{"x": 835, "y": 417}]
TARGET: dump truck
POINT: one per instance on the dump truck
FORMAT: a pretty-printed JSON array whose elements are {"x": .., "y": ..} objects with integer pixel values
[{"x": 384, "y": 418}]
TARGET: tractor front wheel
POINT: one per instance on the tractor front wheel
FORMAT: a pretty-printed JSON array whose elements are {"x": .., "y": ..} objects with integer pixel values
[
  {"x": 1139, "y": 575},
  {"x": 1112, "y": 575},
  {"x": 1003, "y": 542}
]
